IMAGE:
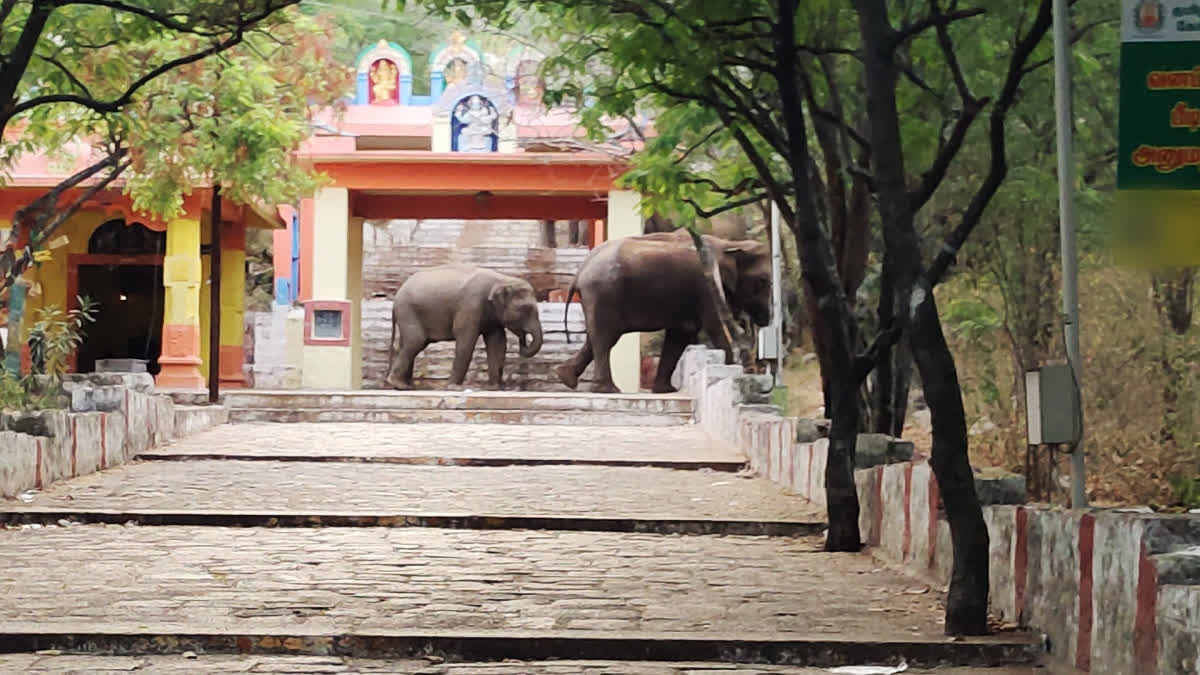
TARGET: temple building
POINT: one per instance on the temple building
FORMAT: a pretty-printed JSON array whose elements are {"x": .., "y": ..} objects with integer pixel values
[{"x": 477, "y": 170}]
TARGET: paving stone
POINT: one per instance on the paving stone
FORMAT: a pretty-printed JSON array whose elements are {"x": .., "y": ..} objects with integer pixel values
[
  {"x": 680, "y": 443},
  {"x": 207, "y": 486},
  {"x": 155, "y": 591},
  {"x": 100, "y": 579}
]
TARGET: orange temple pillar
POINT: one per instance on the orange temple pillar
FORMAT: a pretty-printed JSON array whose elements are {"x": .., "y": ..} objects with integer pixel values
[{"x": 180, "y": 358}]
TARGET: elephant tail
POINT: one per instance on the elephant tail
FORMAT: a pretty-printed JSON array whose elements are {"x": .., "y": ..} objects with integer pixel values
[{"x": 567, "y": 309}]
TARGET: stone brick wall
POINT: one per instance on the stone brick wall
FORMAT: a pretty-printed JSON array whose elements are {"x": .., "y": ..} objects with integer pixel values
[
  {"x": 1113, "y": 592},
  {"x": 112, "y": 417},
  {"x": 275, "y": 342},
  {"x": 394, "y": 249}
]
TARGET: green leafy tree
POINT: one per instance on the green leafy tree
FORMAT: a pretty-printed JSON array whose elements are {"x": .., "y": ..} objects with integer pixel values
[
  {"x": 73, "y": 69},
  {"x": 235, "y": 106}
]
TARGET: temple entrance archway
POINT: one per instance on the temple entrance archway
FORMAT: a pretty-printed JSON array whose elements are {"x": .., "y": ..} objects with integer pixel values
[{"x": 122, "y": 274}]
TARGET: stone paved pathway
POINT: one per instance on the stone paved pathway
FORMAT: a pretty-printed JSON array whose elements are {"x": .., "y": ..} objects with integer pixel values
[
  {"x": 351, "y": 580},
  {"x": 497, "y": 587},
  {"x": 482, "y": 441},
  {"x": 318, "y": 487}
]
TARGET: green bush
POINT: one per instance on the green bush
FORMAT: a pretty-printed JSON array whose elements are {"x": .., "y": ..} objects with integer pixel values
[{"x": 53, "y": 337}]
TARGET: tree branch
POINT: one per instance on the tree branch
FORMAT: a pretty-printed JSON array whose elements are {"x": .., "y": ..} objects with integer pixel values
[
  {"x": 239, "y": 28},
  {"x": 70, "y": 76},
  {"x": 46, "y": 209},
  {"x": 865, "y": 362},
  {"x": 933, "y": 177},
  {"x": 124, "y": 99},
  {"x": 727, "y": 206},
  {"x": 933, "y": 20},
  {"x": 170, "y": 22}
]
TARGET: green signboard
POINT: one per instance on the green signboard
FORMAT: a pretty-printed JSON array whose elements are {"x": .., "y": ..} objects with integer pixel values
[{"x": 1158, "y": 170}]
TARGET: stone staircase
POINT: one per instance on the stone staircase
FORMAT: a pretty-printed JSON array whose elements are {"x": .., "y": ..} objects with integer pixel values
[{"x": 491, "y": 407}]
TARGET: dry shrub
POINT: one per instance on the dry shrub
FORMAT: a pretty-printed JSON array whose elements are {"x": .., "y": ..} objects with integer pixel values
[{"x": 1133, "y": 446}]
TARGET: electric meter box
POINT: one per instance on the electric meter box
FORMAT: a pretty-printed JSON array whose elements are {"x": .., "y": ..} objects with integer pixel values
[
  {"x": 768, "y": 345},
  {"x": 1052, "y": 405}
]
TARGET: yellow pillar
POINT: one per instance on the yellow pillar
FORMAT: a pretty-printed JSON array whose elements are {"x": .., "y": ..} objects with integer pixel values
[
  {"x": 354, "y": 256},
  {"x": 327, "y": 361},
  {"x": 625, "y": 220},
  {"x": 180, "y": 359},
  {"x": 233, "y": 301}
]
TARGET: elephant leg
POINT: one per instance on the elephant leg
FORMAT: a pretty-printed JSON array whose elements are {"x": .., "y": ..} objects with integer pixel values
[
  {"x": 674, "y": 342},
  {"x": 406, "y": 359},
  {"x": 603, "y": 330},
  {"x": 407, "y": 342},
  {"x": 604, "y": 343},
  {"x": 570, "y": 371},
  {"x": 495, "y": 342},
  {"x": 603, "y": 338},
  {"x": 464, "y": 348}
]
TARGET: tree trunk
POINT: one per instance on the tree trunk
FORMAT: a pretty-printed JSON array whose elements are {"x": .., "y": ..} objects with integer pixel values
[
  {"x": 833, "y": 324},
  {"x": 967, "y": 598},
  {"x": 902, "y": 364},
  {"x": 914, "y": 305},
  {"x": 884, "y": 370}
]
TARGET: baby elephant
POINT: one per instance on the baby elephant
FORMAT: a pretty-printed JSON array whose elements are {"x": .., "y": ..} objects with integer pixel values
[{"x": 460, "y": 303}]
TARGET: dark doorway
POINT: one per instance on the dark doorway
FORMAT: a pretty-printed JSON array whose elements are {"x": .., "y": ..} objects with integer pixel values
[{"x": 129, "y": 314}]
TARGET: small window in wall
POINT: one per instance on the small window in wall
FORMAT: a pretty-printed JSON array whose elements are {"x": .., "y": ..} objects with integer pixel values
[{"x": 327, "y": 324}]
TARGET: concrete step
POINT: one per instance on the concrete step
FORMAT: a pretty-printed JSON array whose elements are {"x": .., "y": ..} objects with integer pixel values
[
  {"x": 220, "y": 664},
  {"x": 495, "y": 407},
  {"x": 495, "y": 651},
  {"x": 460, "y": 400},
  {"x": 460, "y": 416}
]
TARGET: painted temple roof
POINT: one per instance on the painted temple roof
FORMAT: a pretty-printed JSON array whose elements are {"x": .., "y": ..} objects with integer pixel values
[
  {"x": 385, "y": 106},
  {"x": 383, "y": 117}
]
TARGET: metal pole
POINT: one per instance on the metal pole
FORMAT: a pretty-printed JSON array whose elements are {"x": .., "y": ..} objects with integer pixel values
[
  {"x": 214, "y": 306},
  {"x": 1066, "y": 208},
  {"x": 777, "y": 293}
]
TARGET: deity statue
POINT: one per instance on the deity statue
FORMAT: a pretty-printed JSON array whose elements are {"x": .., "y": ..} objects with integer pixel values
[
  {"x": 456, "y": 71},
  {"x": 477, "y": 120},
  {"x": 383, "y": 80}
]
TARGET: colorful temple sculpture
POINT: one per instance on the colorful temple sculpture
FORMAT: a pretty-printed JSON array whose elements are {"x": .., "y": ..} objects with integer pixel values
[{"x": 475, "y": 170}]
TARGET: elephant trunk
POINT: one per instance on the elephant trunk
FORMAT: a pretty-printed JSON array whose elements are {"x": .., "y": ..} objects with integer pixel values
[{"x": 534, "y": 343}]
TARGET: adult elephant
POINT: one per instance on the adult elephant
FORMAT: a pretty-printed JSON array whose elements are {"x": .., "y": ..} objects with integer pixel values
[
  {"x": 654, "y": 282},
  {"x": 460, "y": 303}
]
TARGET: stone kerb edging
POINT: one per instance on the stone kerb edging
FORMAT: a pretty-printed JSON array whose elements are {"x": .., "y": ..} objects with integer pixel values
[
  {"x": 107, "y": 420},
  {"x": 1114, "y": 592}
]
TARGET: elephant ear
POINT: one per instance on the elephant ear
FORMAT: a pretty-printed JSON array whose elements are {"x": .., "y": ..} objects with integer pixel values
[
  {"x": 744, "y": 251},
  {"x": 502, "y": 295}
]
